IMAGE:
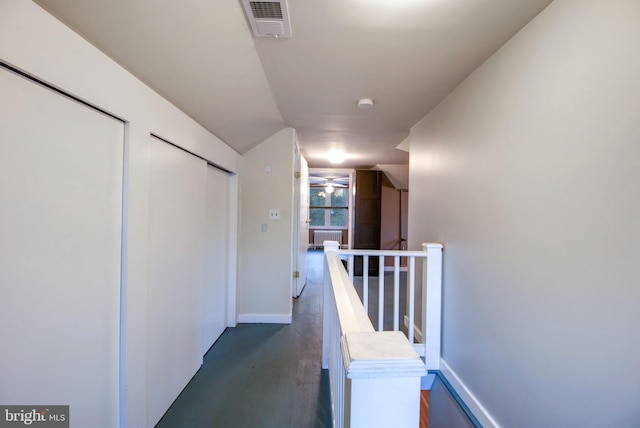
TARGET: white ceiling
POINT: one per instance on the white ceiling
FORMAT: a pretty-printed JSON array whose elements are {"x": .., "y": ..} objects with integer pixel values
[{"x": 406, "y": 55}]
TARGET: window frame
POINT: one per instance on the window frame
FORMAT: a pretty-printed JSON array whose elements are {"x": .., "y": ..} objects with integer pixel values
[{"x": 328, "y": 208}]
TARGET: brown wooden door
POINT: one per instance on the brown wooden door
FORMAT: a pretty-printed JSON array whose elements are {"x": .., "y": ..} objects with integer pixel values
[{"x": 367, "y": 217}]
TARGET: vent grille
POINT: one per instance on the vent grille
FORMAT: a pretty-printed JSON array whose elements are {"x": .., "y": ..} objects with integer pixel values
[
  {"x": 266, "y": 10},
  {"x": 268, "y": 18}
]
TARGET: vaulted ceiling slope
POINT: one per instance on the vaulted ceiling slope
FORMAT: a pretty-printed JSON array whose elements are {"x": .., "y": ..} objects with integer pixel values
[{"x": 406, "y": 55}]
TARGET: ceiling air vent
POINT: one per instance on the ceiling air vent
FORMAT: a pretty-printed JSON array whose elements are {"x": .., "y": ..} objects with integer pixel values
[{"x": 268, "y": 18}]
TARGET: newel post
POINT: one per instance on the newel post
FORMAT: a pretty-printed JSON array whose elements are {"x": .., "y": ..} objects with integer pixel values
[
  {"x": 432, "y": 305},
  {"x": 332, "y": 246},
  {"x": 383, "y": 374}
]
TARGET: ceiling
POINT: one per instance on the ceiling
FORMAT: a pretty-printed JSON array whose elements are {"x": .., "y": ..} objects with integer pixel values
[{"x": 406, "y": 55}]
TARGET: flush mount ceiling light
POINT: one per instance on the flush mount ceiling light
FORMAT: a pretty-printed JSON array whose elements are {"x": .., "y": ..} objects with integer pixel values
[
  {"x": 336, "y": 157},
  {"x": 365, "y": 103}
]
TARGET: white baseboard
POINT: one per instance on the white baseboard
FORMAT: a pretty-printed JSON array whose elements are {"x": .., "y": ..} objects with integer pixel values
[
  {"x": 264, "y": 318},
  {"x": 467, "y": 397},
  {"x": 416, "y": 330}
]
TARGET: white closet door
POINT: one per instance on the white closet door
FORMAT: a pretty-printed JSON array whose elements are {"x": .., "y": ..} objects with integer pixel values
[
  {"x": 60, "y": 237},
  {"x": 177, "y": 227},
  {"x": 217, "y": 235}
]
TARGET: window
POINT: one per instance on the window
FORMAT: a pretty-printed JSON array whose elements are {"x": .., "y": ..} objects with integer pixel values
[{"x": 328, "y": 209}]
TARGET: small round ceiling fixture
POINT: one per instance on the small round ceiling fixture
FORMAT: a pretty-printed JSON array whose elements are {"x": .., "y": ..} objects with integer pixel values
[{"x": 365, "y": 103}]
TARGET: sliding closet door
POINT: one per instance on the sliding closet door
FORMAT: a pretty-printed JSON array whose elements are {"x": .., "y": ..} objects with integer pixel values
[
  {"x": 60, "y": 237},
  {"x": 177, "y": 225},
  {"x": 217, "y": 234}
]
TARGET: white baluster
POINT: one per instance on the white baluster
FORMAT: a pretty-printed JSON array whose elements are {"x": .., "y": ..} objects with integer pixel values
[
  {"x": 380, "y": 294},
  {"x": 396, "y": 292},
  {"x": 365, "y": 283},
  {"x": 412, "y": 297}
]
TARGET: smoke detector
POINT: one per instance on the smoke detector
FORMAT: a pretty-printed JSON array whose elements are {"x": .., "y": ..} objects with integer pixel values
[
  {"x": 268, "y": 18},
  {"x": 365, "y": 103}
]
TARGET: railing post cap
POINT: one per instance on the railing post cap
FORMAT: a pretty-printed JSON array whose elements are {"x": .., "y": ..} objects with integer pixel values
[
  {"x": 331, "y": 246},
  {"x": 380, "y": 354},
  {"x": 431, "y": 245}
]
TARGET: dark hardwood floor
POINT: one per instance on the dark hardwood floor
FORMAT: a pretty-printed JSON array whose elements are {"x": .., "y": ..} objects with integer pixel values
[
  {"x": 265, "y": 375},
  {"x": 424, "y": 409},
  {"x": 262, "y": 375}
]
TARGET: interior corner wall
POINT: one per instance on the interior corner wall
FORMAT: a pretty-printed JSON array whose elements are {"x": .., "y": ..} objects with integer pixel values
[
  {"x": 389, "y": 218},
  {"x": 528, "y": 174},
  {"x": 265, "y": 269},
  {"x": 393, "y": 221},
  {"x": 34, "y": 42}
]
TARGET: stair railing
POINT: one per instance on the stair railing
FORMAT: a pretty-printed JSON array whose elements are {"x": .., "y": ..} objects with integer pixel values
[{"x": 375, "y": 375}]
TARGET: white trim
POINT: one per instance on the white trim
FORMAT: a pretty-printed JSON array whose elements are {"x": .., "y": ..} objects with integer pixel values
[
  {"x": 264, "y": 318},
  {"x": 232, "y": 267},
  {"x": 467, "y": 397}
]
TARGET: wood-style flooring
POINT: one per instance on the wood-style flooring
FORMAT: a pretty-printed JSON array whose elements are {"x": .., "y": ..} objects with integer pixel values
[
  {"x": 265, "y": 375},
  {"x": 424, "y": 409}
]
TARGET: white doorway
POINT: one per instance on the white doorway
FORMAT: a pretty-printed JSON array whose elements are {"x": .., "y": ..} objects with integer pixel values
[
  {"x": 301, "y": 224},
  {"x": 331, "y": 205}
]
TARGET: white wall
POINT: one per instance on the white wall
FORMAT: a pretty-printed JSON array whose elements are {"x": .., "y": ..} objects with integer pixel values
[
  {"x": 35, "y": 42},
  {"x": 265, "y": 270},
  {"x": 528, "y": 174}
]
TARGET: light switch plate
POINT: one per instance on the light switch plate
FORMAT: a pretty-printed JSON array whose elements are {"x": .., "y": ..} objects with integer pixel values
[{"x": 274, "y": 214}]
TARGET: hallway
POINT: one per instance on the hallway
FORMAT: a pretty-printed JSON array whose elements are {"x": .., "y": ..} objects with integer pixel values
[{"x": 263, "y": 375}]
